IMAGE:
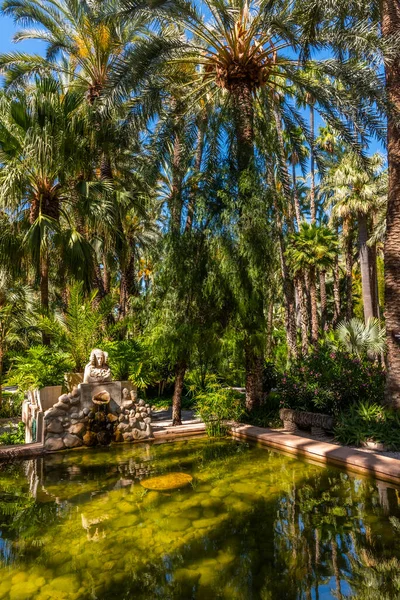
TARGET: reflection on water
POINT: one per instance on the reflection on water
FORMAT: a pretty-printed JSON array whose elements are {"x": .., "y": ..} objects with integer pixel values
[{"x": 254, "y": 524}]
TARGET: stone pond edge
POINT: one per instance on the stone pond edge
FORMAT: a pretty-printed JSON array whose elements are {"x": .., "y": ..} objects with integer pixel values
[{"x": 370, "y": 464}]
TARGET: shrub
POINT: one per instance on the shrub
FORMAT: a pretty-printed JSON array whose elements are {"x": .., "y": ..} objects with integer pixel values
[
  {"x": 218, "y": 406},
  {"x": 39, "y": 367},
  {"x": 11, "y": 405},
  {"x": 15, "y": 436},
  {"x": 330, "y": 382},
  {"x": 369, "y": 422},
  {"x": 266, "y": 415}
]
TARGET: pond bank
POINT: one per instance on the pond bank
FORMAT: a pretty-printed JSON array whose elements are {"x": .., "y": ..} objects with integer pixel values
[{"x": 368, "y": 463}]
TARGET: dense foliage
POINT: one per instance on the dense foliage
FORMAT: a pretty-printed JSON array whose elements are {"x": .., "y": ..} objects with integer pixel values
[
  {"x": 330, "y": 382},
  {"x": 195, "y": 188}
]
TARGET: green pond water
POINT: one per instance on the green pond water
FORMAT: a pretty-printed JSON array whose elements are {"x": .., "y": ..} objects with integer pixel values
[{"x": 253, "y": 524}]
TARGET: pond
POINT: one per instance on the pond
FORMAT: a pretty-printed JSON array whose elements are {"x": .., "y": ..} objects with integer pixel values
[{"x": 253, "y": 524}]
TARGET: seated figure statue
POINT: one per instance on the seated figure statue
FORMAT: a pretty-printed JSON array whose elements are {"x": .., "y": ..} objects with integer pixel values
[{"x": 97, "y": 370}]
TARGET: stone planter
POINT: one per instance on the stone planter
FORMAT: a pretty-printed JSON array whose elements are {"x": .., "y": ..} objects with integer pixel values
[
  {"x": 290, "y": 426},
  {"x": 297, "y": 419}
]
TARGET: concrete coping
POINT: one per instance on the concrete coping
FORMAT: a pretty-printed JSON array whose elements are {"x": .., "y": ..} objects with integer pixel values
[{"x": 375, "y": 465}]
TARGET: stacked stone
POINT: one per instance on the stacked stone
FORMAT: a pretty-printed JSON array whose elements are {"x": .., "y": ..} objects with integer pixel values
[
  {"x": 134, "y": 422},
  {"x": 65, "y": 423}
]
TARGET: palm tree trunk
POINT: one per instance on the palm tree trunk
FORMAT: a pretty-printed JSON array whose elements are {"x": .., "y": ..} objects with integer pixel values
[
  {"x": 176, "y": 191},
  {"x": 180, "y": 370},
  {"x": 336, "y": 292},
  {"x": 106, "y": 275},
  {"x": 288, "y": 298},
  {"x": 297, "y": 208},
  {"x": 197, "y": 167},
  {"x": 322, "y": 291},
  {"x": 313, "y": 209},
  {"x": 270, "y": 323},
  {"x": 364, "y": 267},
  {"x": 44, "y": 289},
  {"x": 303, "y": 314},
  {"x": 314, "y": 309},
  {"x": 244, "y": 124},
  {"x": 373, "y": 274},
  {"x": 254, "y": 361},
  {"x": 127, "y": 287},
  {"x": 390, "y": 27},
  {"x": 348, "y": 252}
]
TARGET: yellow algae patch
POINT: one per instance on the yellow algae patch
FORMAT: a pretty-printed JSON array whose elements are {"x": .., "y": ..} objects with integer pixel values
[{"x": 169, "y": 481}]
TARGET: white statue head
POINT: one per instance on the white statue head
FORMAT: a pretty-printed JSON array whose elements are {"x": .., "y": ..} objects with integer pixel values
[{"x": 98, "y": 358}]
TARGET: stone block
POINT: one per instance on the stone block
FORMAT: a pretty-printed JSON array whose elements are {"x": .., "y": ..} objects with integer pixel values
[
  {"x": 72, "y": 441},
  {"x": 54, "y": 443}
]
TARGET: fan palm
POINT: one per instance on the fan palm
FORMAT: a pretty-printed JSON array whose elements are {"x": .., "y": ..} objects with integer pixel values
[{"x": 360, "y": 338}]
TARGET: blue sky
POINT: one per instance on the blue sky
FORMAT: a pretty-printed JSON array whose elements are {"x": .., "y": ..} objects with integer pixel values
[{"x": 7, "y": 30}]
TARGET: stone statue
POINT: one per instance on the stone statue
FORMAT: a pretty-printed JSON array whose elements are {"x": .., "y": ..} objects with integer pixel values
[{"x": 97, "y": 370}]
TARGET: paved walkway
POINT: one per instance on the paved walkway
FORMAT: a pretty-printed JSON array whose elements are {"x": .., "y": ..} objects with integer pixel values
[{"x": 377, "y": 465}]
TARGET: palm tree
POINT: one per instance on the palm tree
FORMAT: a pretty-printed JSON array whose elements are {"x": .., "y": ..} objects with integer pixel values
[
  {"x": 360, "y": 338},
  {"x": 311, "y": 248},
  {"x": 41, "y": 146},
  {"x": 355, "y": 189},
  {"x": 16, "y": 310},
  {"x": 391, "y": 27}
]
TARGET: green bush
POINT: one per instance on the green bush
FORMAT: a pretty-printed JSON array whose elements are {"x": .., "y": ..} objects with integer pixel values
[
  {"x": 330, "y": 381},
  {"x": 266, "y": 415},
  {"x": 15, "y": 436},
  {"x": 11, "y": 405},
  {"x": 39, "y": 367},
  {"x": 219, "y": 406},
  {"x": 369, "y": 422}
]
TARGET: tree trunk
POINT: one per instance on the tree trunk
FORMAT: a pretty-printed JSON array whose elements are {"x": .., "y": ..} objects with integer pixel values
[
  {"x": 313, "y": 209},
  {"x": 296, "y": 197},
  {"x": 176, "y": 191},
  {"x": 106, "y": 276},
  {"x": 127, "y": 287},
  {"x": 244, "y": 124},
  {"x": 314, "y": 309},
  {"x": 254, "y": 361},
  {"x": 197, "y": 166},
  {"x": 336, "y": 292},
  {"x": 289, "y": 300},
  {"x": 373, "y": 274},
  {"x": 364, "y": 267},
  {"x": 180, "y": 370},
  {"x": 322, "y": 291},
  {"x": 270, "y": 324},
  {"x": 348, "y": 252},
  {"x": 98, "y": 282},
  {"x": 44, "y": 289},
  {"x": 391, "y": 26},
  {"x": 303, "y": 315}
]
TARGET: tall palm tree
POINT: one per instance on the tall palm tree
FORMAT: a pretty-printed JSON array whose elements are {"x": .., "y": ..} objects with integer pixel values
[
  {"x": 311, "y": 248},
  {"x": 355, "y": 190},
  {"x": 41, "y": 146},
  {"x": 391, "y": 27}
]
